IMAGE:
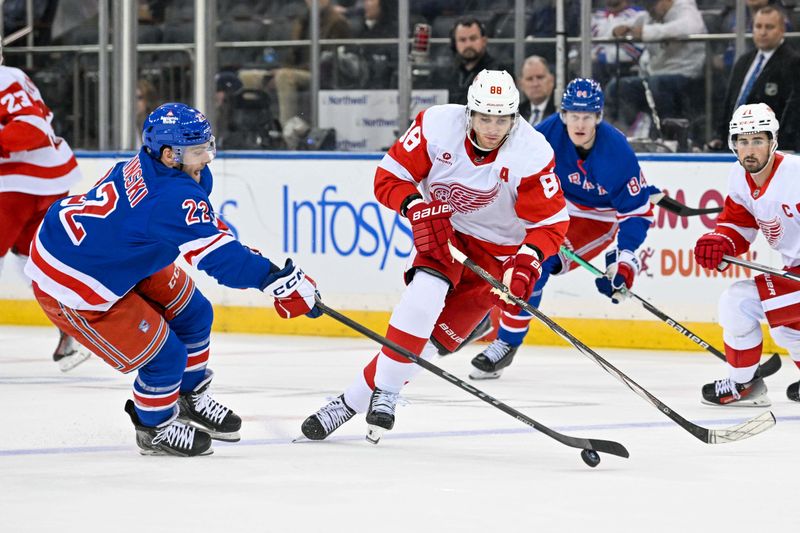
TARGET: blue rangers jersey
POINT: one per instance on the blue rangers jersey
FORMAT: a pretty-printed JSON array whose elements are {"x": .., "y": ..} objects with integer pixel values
[
  {"x": 92, "y": 249},
  {"x": 607, "y": 186}
]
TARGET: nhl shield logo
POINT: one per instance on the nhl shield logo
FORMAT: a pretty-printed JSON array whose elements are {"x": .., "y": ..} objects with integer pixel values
[
  {"x": 771, "y": 89},
  {"x": 144, "y": 326}
]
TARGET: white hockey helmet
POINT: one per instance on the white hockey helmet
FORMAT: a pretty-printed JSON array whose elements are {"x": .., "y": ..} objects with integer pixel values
[
  {"x": 493, "y": 92},
  {"x": 753, "y": 118}
]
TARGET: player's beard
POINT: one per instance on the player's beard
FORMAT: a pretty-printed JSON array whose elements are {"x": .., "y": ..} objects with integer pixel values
[{"x": 752, "y": 165}]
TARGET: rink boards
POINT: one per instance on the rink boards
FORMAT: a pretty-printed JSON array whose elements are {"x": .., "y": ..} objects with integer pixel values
[{"x": 318, "y": 208}]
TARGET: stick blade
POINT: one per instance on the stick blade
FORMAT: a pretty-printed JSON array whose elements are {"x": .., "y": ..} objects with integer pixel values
[
  {"x": 610, "y": 447},
  {"x": 772, "y": 365},
  {"x": 745, "y": 430}
]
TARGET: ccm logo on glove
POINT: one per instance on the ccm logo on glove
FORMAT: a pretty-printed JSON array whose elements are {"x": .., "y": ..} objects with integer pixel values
[{"x": 294, "y": 292}]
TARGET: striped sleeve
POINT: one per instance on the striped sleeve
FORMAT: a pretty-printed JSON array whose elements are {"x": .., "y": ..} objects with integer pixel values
[
  {"x": 543, "y": 210},
  {"x": 406, "y": 164}
]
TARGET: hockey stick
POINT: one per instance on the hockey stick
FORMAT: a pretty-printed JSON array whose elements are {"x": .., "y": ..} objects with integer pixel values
[
  {"x": 761, "y": 268},
  {"x": 747, "y": 429},
  {"x": 772, "y": 365},
  {"x": 674, "y": 206},
  {"x": 611, "y": 447}
]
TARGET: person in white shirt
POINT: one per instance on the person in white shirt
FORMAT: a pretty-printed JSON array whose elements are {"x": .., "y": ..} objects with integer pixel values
[{"x": 671, "y": 67}]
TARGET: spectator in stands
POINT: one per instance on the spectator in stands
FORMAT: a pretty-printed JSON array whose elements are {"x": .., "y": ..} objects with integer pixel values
[
  {"x": 536, "y": 82},
  {"x": 289, "y": 81},
  {"x": 605, "y": 63},
  {"x": 468, "y": 42},
  {"x": 729, "y": 26},
  {"x": 767, "y": 74},
  {"x": 147, "y": 100},
  {"x": 378, "y": 22},
  {"x": 672, "y": 66}
]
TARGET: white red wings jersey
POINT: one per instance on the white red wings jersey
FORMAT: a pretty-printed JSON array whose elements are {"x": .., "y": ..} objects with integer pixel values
[
  {"x": 33, "y": 159},
  {"x": 509, "y": 197},
  {"x": 773, "y": 208}
]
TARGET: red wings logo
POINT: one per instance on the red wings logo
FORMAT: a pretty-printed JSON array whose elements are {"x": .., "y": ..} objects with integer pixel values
[
  {"x": 772, "y": 230},
  {"x": 463, "y": 199}
]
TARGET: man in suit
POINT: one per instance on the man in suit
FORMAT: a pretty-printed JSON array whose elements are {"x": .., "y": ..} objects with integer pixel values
[
  {"x": 766, "y": 75},
  {"x": 536, "y": 82}
]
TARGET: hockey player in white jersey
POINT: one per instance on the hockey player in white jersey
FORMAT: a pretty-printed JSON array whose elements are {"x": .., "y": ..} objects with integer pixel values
[
  {"x": 480, "y": 178},
  {"x": 36, "y": 169},
  {"x": 763, "y": 194}
]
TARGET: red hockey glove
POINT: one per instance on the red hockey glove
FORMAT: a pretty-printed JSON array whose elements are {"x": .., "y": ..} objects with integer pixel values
[
  {"x": 621, "y": 269},
  {"x": 294, "y": 292},
  {"x": 520, "y": 273},
  {"x": 430, "y": 223},
  {"x": 711, "y": 247}
]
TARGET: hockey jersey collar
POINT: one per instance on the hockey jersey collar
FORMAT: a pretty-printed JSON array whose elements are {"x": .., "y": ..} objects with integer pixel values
[{"x": 756, "y": 191}]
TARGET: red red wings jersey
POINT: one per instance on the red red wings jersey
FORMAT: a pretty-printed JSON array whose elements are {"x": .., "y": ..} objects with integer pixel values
[
  {"x": 773, "y": 208},
  {"x": 32, "y": 159},
  {"x": 510, "y": 197}
]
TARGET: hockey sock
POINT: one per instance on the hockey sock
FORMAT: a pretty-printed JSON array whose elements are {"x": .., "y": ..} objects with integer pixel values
[
  {"x": 157, "y": 385},
  {"x": 742, "y": 364}
]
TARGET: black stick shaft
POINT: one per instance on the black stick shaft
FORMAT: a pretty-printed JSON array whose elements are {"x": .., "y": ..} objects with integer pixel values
[
  {"x": 711, "y": 436},
  {"x": 771, "y": 366},
  {"x": 611, "y": 447}
]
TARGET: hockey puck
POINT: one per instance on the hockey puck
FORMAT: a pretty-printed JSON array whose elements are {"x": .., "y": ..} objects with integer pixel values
[{"x": 590, "y": 457}]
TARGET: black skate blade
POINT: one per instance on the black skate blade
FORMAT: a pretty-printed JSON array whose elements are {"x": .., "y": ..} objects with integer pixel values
[
  {"x": 232, "y": 436},
  {"x": 374, "y": 434}
]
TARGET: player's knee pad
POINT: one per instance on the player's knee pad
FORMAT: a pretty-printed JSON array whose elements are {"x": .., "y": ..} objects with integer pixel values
[
  {"x": 193, "y": 323},
  {"x": 166, "y": 368},
  {"x": 740, "y": 309},
  {"x": 421, "y": 304}
]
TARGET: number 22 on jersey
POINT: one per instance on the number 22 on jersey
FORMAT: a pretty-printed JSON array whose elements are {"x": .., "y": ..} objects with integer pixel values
[{"x": 79, "y": 206}]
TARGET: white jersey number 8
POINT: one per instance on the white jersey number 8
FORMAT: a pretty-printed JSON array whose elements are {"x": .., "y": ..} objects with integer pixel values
[
  {"x": 550, "y": 185},
  {"x": 412, "y": 137}
]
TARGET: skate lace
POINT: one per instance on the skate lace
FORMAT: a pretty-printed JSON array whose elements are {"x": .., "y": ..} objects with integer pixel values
[
  {"x": 497, "y": 350},
  {"x": 384, "y": 401},
  {"x": 206, "y": 405},
  {"x": 724, "y": 386},
  {"x": 334, "y": 414},
  {"x": 176, "y": 435}
]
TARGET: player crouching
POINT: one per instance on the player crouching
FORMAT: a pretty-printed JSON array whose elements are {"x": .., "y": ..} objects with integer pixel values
[
  {"x": 763, "y": 193},
  {"x": 103, "y": 270}
]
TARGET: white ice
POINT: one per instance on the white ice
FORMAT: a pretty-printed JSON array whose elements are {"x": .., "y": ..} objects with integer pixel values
[{"x": 68, "y": 460}]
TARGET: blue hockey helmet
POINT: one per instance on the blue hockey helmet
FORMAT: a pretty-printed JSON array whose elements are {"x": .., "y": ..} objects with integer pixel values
[
  {"x": 182, "y": 128},
  {"x": 583, "y": 94}
]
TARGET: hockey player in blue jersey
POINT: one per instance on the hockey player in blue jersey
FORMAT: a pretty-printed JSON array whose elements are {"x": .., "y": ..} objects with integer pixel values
[
  {"x": 103, "y": 270},
  {"x": 607, "y": 197}
]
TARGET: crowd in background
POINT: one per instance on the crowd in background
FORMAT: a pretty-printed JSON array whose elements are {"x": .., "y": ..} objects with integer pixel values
[{"x": 656, "y": 83}]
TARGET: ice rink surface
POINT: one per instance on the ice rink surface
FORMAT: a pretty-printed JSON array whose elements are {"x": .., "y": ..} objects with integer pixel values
[{"x": 68, "y": 460}]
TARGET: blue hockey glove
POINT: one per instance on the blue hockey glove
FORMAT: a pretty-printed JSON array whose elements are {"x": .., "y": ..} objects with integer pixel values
[{"x": 621, "y": 268}]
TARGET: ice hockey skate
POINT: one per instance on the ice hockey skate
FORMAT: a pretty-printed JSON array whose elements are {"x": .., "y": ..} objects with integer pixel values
[
  {"x": 327, "y": 420},
  {"x": 380, "y": 417},
  {"x": 489, "y": 364},
  {"x": 170, "y": 438},
  {"x": 793, "y": 391},
  {"x": 69, "y": 353},
  {"x": 726, "y": 392},
  {"x": 199, "y": 409}
]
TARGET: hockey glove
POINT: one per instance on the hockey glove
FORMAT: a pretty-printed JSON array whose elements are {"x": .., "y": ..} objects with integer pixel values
[
  {"x": 710, "y": 248},
  {"x": 520, "y": 273},
  {"x": 430, "y": 223},
  {"x": 294, "y": 292},
  {"x": 621, "y": 267}
]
